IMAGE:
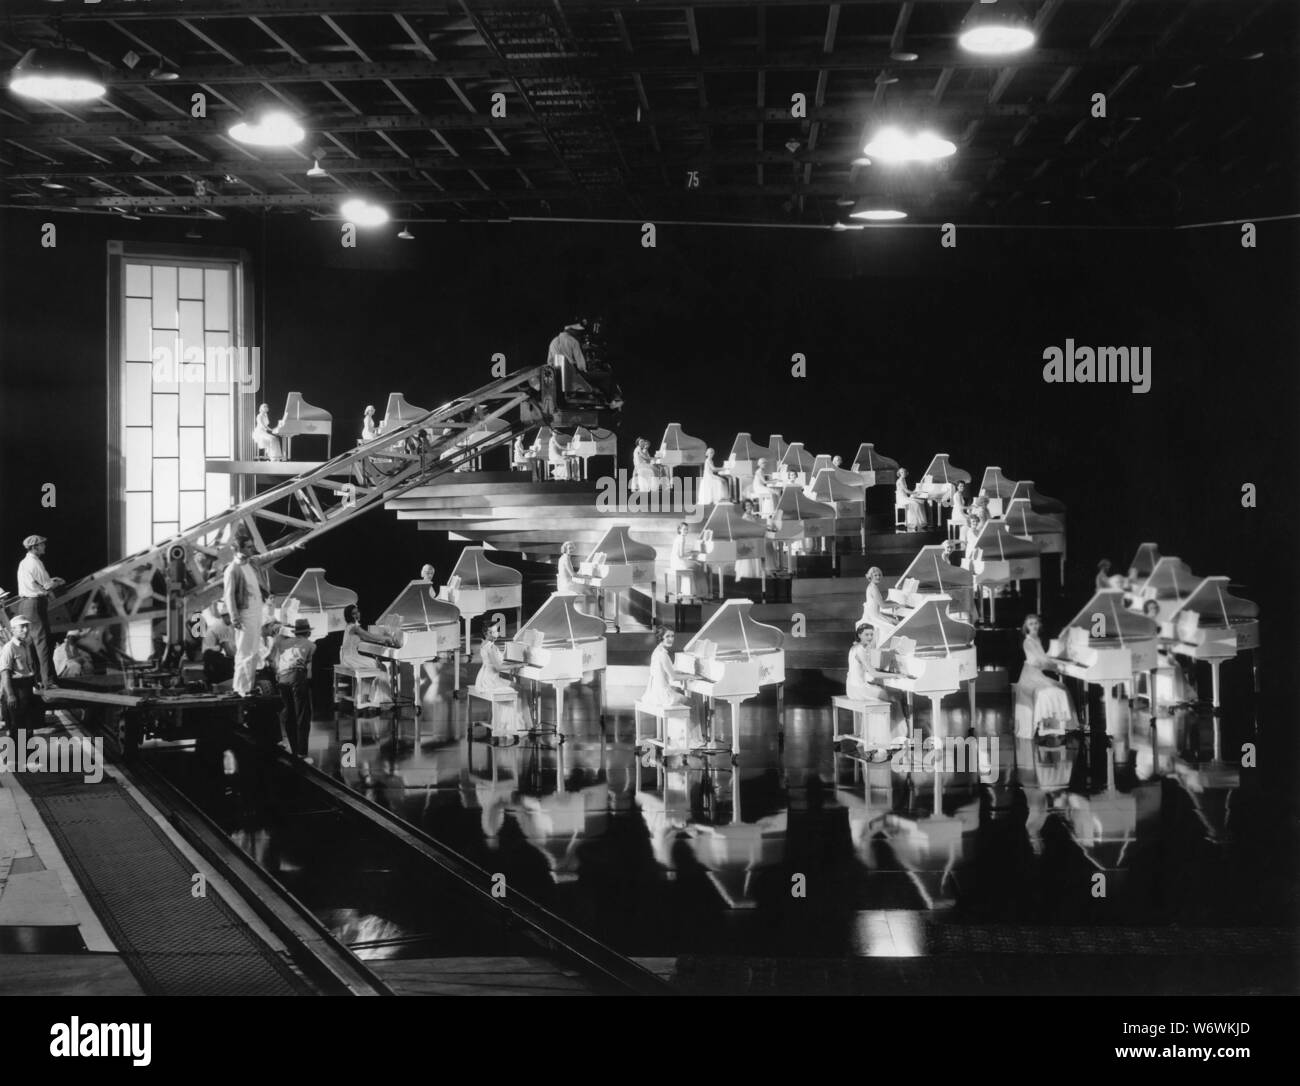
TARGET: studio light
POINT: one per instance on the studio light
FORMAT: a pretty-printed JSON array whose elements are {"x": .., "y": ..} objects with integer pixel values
[
  {"x": 56, "y": 75},
  {"x": 997, "y": 29},
  {"x": 873, "y": 210},
  {"x": 363, "y": 213},
  {"x": 406, "y": 234},
  {"x": 893, "y": 146},
  {"x": 316, "y": 170},
  {"x": 272, "y": 128}
]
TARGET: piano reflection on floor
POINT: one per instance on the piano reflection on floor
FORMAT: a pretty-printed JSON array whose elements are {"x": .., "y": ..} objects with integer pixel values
[
  {"x": 301, "y": 419},
  {"x": 1214, "y": 625},
  {"x": 558, "y": 646},
  {"x": 478, "y": 585},
  {"x": 422, "y": 628},
  {"x": 616, "y": 563},
  {"x": 730, "y": 659}
]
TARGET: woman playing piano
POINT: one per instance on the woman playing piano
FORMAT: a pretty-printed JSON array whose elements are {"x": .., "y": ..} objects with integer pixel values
[
  {"x": 713, "y": 488},
  {"x": 369, "y": 429},
  {"x": 864, "y": 666},
  {"x": 663, "y": 691},
  {"x": 1042, "y": 703},
  {"x": 350, "y": 654},
  {"x": 491, "y": 680},
  {"x": 566, "y": 573},
  {"x": 915, "y": 517},
  {"x": 264, "y": 435},
  {"x": 643, "y": 471},
  {"x": 750, "y": 567},
  {"x": 555, "y": 457},
  {"x": 682, "y": 562},
  {"x": 760, "y": 490},
  {"x": 873, "y": 607}
]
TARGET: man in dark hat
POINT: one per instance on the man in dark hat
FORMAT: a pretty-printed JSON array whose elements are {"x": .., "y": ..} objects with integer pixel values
[
  {"x": 293, "y": 656},
  {"x": 34, "y": 588},
  {"x": 565, "y": 354}
]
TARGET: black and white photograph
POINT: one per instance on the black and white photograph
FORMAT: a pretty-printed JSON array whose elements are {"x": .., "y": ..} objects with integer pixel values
[{"x": 561, "y": 498}]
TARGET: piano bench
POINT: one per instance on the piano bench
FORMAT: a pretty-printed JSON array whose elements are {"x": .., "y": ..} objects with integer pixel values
[
  {"x": 900, "y": 516},
  {"x": 870, "y": 718},
  {"x": 350, "y": 684},
  {"x": 673, "y": 737},
  {"x": 498, "y": 699}
]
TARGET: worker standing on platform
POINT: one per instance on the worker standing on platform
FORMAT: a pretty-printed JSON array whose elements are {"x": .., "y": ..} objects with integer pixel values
[
  {"x": 243, "y": 594},
  {"x": 293, "y": 655},
  {"x": 565, "y": 352},
  {"x": 17, "y": 679},
  {"x": 34, "y": 588}
]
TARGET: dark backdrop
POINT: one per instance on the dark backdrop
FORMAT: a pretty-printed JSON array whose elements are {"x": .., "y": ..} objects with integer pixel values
[{"x": 917, "y": 348}]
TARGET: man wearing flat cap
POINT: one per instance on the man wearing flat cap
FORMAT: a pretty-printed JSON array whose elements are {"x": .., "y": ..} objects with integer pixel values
[
  {"x": 17, "y": 679},
  {"x": 293, "y": 655},
  {"x": 34, "y": 588}
]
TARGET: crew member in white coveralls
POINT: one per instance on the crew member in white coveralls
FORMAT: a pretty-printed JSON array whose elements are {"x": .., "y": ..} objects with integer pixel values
[{"x": 244, "y": 592}]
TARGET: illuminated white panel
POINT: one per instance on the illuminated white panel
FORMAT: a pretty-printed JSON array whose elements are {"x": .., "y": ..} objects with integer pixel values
[
  {"x": 191, "y": 331},
  {"x": 166, "y": 483},
  {"x": 191, "y": 283},
  {"x": 193, "y": 505},
  {"x": 217, "y": 409},
  {"x": 139, "y": 520},
  {"x": 165, "y": 421},
  {"x": 137, "y": 405},
  {"x": 218, "y": 493},
  {"x": 192, "y": 458},
  {"x": 164, "y": 297},
  {"x": 139, "y": 638},
  {"x": 217, "y": 295},
  {"x": 166, "y": 358},
  {"x": 138, "y": 281},
  {"x": 137, "y": 335},
  {"x": 139, "y": 458},
  {"x": 216, "y": 346},
  {"x": 193, "y": 392},
  {"x": 164, "y": 530}
]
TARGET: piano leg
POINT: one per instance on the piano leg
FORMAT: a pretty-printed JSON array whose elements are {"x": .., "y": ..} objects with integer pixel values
[
  {"x": 936, "y": 744},
  {"x": 455, "y": 674},
  {"x": 780, "y": 716},
  {"x": 1214, "y": 685},
  {"x": 970, "y": 687}
]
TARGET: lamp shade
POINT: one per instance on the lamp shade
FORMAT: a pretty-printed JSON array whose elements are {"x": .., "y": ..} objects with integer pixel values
[{"x": 56, "y": 75}]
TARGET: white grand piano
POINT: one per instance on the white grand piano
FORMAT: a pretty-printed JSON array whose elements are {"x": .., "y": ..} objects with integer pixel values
[
  {"x": 821, "y": 462},
  {"x": 399, "y": 413},
  {"x": 1214, "y": 625},
  {"x": 478, "y": 437},
  {"x": 615, "y": 563},
  {"x": 731, "y": 658},
  {"x": 932, "y": 655},
  {"x": 322, "y": 604},
  {"x": 1047, "y": 532},
  {"x": 997, "y": 558},
  {"x": 798, "y": 518},
  {"x": 795, "y": 467},
  {"x": 939, "y": 480},
  {"x": 930, "y": 576},
  {"x": 556, "y": 647},
  {"x": 875, "y": 469},
  {"x": 1040, "y": 503},
  {"x": 1169, "y": 582},
  {"x": 843, "y": 490},
  {"x": 679, "y": 450},
  {"x": 1107, "y": 644},
  {"x": 997, "y": 488},
  {"x": 478, "y": 585},
  {"x": 301, "y": 419},
  {"x": 423, "y": 628},
  {"x": 776, "y": 446},
  {"x": 1143, "y": 564},
  {"x": 740, "y": 464},
  {"x": 587, "y": 443},
  {"x": 727, "y": 537}
]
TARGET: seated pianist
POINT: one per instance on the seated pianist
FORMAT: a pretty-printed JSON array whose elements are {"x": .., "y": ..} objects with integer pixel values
[
  {"x": 264, "y": 435},
  {"x": 350, "y": 654},
  {"x": 1042, "y": 702},
  {"x": 760, "y": 489},
  {"x": 369, "y": 428},
  {"x": 916, "y": 515},
  {"x": 868, "y": 666},
  {"x": 874, "y": 612},
  {"x": 645, "y": 478},
  {"x": 556, "y": 458},
  {"x": 683, "y": 561},
  {"x": 427, "y": 573},
  {"x": 566, "y": 575},
  {"x": 492, "y": 678}
]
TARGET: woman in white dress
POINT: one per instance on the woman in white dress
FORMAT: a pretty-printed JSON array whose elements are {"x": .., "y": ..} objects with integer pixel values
[
  {"x": 264, "y": 436},
  {"x": 643, "y": 471},
  {"x": 1042, "y": 703},
  {"x": 864, "y": 666},
  {"x": 713, "y": 488},
  {"x": 491, "y": 680},
  {"x": 369, "y": 428},
  {"x": 350, "y": 655},
  {"x": 750, "y": 567},
  {"x": 555, "y": 457},
  {"x": 566, "y": 574},
  {"x": 761, "y": 490},
  {"x": 1172, "y": 687},
  {"x": 682, "y": 561},
  {"x": 663, "y": 691},
  {"x": 915, "y": 515},
  {"x": 873, "y": 607}
]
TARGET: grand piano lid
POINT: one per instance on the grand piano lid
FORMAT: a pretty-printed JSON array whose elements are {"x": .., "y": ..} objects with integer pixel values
[
  {"x": 314, "y": 593},
  {"x": 561, "y": 623},
  {"x": 796, "y": 458},
  {"x": 481, "y": 430},
  {"x": 933, "y": 629},
  {"x": 867, "y": 459},
  {"x": 998, "y": 544},
  {"x": 940, "y": 471},
  {"x": 1145, "y": 561},
  {"x": 541, "y": 439},
  {"x": 1217, "y": 606},
  {"x": 1121, "y": 624},
  {"x": 996, "y": 485},
  {"x": 725, "y": 522},
  {"x": 737, "y": 634},
  {"x": 297, "y": 410},
  {"x": 280, "y": 584},
  {"x": 821, "y": 462},
  {"x": 934, "y": 573},
  {"x": 619, "y": 548},
  {"x": 743, "y": 448},
  {"x": 416, "y": 606},
  {"x": 1171, "y": 579},
  {"x": 794, "y": 504},
  {"x": 676, "y": 441},
  {"x": 776, "y": 446},
  {"x": 1021, "y": 519},
  {"x": 476, "y": 570},
  {"x": 831, "y": 485},
  {"x": 595, "y": 436},
  {"x": 399, "y": 412},
  {"x": 1040, "y": 503}
]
